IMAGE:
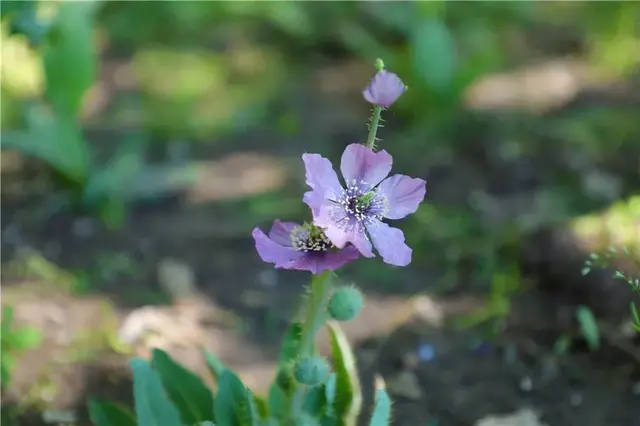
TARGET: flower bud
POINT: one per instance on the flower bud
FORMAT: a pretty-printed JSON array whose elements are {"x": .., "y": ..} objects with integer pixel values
[
  {"x": 384, "y": 89},
  {"x": 345, "y": 303},
  {"x": 311, "y": 371}
]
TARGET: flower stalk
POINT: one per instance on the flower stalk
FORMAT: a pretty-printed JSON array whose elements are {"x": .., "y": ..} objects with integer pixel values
[
  {"x": 373, "y": 127},
  {"x": 315, "y": 316}
]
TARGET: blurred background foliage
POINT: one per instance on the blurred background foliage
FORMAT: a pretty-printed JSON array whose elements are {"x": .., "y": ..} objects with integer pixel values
[{"x": 522, "y": 115}]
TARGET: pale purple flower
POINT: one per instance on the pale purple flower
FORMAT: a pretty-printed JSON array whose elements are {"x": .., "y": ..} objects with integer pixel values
[
  {"x": 302, "y": 247},
  {"x": 348, "y": 215},
  {"x": 384, "y": 89}
]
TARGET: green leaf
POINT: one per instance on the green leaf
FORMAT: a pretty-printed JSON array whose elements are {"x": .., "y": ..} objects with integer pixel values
[
  {"x": 588, "y": 327},
  {"x": 291, "y": 343},
  {"x": 636, "y": 316},
  {"x": 382, "y": 410},
  {"x": 112, "y": 180},
  {"x": 192, "y": 398},
  {"x": 26, "y": 338},
  {"x": 234, "y": 404},
  {"x": 215, "y": 366},
  {"x": 278, "y": 398},
  {"x": 7, "y": 317},
  {"x": 348, "y": 396},
  {"x": 70, "y": 57},
  {"x": 153, "y": 407},
  {"x": 56, "y": 141},
  {"x": 434, "y": 53},
  {"x": 110, "y": 414},
  {"x": 8, "y": 363}
]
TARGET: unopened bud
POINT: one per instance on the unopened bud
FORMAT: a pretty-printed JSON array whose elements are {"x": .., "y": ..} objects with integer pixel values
[
  {"x": 311, "y": 371},
  {"x": 345, "y": 303}
]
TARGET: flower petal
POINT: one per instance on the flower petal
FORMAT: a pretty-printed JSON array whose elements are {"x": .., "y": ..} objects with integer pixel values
[
  {"x": 342, "y": 229},
  {"x": 390, "y": 243},
  {"x": 403, "y": 193},
  {"x": 334, "y": 259},
  {"x": 319, "y": 262},
  {"x": 361, "y": 164},
  {"x": 322, "y": 179},
  {"x": 281, "y": 232},
  {"x": 272, "y": 252},
  {"x": 385, "y": 88}
]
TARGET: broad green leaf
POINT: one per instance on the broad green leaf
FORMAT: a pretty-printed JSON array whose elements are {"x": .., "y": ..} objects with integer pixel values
[
  {"x": 434, "y": 54},
  {"x": 215, "y": 366},
  {"x": 69, "y": 57},
  {"x": 234, "y": 403},
  {"x": 110, "y": 414},
  {"x": 192, "y": 398},
  {"x": 588, "y": 327},
  {"x": 153, "y": 407},
  {"x": 348, "y": 396},
  {"x": 382, "y": 409}
]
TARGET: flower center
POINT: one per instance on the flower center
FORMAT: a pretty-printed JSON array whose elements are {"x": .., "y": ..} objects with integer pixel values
[
  {"x": 361, "y": 202},
  {"x": 309, "y": 238}
]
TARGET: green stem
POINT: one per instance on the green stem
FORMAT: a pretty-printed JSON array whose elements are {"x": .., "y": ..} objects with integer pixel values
[
  {"x": 373, "y": 128},
  {"x": 314, "y": 319}
]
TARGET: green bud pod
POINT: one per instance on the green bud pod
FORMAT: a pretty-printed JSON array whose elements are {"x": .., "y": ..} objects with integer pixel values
[
  {"x": 345, "y": 303},
  {"x": 311, "y": 371}
]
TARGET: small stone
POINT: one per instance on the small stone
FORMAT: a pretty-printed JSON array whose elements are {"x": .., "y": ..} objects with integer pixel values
[
  {"x": 576, "y": 399},
  {"x": 523, "y": 417},
  {"x": 526, "y": 384},
  {"x": 85, "y": 227},
  {"x": 405, "y": 384}
]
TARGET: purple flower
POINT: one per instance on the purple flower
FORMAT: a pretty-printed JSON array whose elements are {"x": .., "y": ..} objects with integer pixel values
[
  {"x": 385, "y": 88},
  {"x": 302, "y": 247},
  {"x": 347, "y": 215}
]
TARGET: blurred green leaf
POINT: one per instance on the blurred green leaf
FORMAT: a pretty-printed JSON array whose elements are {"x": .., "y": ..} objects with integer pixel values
[
  {"x": 348, "y": 396},
  {"x": 192, "y": 398},
  {"x": 434, "y": 54},
  {"x": 289, "y": 351},
  {"x": 57, "y": 142},
  {"x": 588, "y": 327},
  {"x": 153, "y": 407},
  {"x": 110, "y": 414},
  {"x": 234, "y": 404},
  {"x": 215, "y": 366},
  {"x": 26, "y": 338},
  {"x": 69, "y": 57},
  {"x": 382, "y": 410},
  {"x": 25, "y": 21}
]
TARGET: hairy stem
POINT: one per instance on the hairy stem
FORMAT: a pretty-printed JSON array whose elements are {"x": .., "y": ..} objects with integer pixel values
[
  {"x": 314, "y": 319},
  {"x": 373, "y": 127}
]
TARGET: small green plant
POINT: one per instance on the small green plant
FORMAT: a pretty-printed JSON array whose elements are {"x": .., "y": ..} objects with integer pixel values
[
  {"x": 15, "y": 341},
  {"x": 51, "y": 129},
  {"x": 603, "y": 260},
  {"x": 308, "y": 390}
]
